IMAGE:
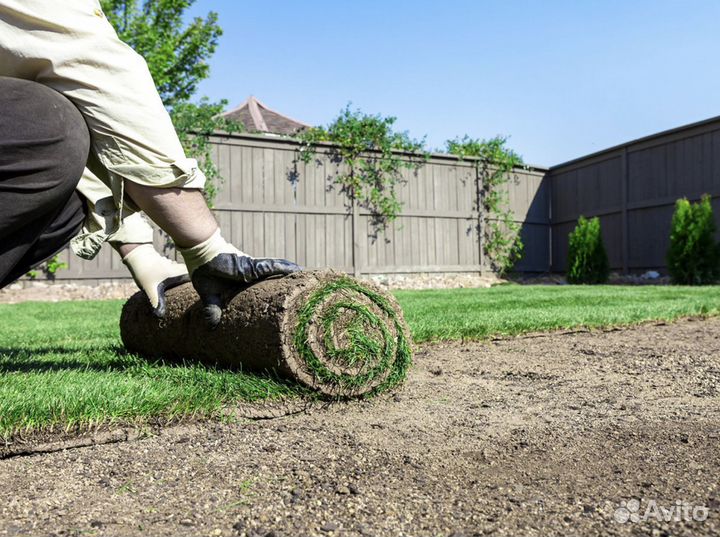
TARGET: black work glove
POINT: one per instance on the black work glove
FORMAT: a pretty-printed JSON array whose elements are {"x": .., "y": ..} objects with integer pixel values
[
  {"x": 227, "y": 272},
  {"x": 217, "y": 268}
]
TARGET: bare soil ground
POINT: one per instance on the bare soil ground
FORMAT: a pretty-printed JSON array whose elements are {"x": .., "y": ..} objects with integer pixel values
[{"x": 543, "y": 435}]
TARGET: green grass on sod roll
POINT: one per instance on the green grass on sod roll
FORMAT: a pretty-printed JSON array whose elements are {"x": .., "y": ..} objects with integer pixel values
[
  {"x": 395, "y": 354},
  {"x": 61, "y": 364}
]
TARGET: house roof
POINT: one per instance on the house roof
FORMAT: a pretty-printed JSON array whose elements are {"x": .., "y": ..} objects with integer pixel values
[{"x": 256, "y": 117}]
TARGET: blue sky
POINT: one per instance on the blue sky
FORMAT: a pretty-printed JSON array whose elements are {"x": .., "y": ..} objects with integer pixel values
[{"x": 560, "y": 78}]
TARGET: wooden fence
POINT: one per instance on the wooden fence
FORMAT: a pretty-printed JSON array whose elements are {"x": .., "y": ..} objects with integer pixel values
[
  {"x": 632, "y": 188},
  {"x": 272, "y": 204}
]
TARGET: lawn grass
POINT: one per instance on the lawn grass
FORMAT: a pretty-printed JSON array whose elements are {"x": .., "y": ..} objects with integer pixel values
[
  {"x": 62, "y": 364},
  {"x": 447, "y": 314}
]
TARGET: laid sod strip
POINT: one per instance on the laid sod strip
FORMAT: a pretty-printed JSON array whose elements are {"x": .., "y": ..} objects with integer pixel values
[
  {"x": 327, "y": 331},
  {"x": 507, "y": 310},
  {"x": 62, "y": 364}
]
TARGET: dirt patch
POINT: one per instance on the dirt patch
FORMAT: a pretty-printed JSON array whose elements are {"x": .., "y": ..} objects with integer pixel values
[
  {"x": 60, "y": 292},
  {"x": 532, "y": 436}
]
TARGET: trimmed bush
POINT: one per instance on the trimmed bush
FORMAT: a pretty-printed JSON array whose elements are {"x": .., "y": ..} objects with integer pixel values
[
  {"x": 693, "y": 257},
  {"x": 587, "y": 258}
]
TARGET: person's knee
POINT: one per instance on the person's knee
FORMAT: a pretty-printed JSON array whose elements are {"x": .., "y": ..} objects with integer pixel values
[
  {"x": 54, "y": 131},
  {"x": 70, "y": 144}
]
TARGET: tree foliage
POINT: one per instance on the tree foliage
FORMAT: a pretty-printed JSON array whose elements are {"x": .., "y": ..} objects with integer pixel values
[
  {"x": 374, "y": 157},
  {"x": 693, "y": 257},
  {"x": 494, "y": 165},
  {"x": 177, "y": 56},
  {"x": 587, "y": 259}
]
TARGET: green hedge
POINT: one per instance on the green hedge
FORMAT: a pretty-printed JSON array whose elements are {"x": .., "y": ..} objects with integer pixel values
[
  {"x": 694, "y": 256},
  {"x": 587, "y": 258}
]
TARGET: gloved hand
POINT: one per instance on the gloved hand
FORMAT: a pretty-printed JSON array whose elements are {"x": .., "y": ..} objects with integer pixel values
[
  {"x": 216, "y": 266},
  {"x": 154, "y": 274}
]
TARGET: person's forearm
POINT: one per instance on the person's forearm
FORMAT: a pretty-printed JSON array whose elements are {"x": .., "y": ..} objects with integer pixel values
[
  {"x": 124, "y": 249},
  {"x": 181, "y": 213}
]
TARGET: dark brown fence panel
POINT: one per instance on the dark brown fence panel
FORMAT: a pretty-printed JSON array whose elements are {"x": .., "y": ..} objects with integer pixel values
[{"x": 633, "y": 189}]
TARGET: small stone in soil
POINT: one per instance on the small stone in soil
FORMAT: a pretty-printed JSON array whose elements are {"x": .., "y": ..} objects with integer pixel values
[{"x": 329, "y": 526}]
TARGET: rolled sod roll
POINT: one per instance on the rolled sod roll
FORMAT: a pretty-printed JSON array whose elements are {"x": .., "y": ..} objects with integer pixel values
[{"x": 333, "y": 333}]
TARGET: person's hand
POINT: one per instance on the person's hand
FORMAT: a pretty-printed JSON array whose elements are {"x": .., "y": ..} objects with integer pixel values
[
  {"x": 216, "y": 267},
  {"x": 154, "y": 274}
]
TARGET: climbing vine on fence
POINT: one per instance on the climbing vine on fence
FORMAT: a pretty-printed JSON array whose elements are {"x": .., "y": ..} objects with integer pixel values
[
  {"x": 374, "y": 156},
  {"x": 494, "y": 164}
]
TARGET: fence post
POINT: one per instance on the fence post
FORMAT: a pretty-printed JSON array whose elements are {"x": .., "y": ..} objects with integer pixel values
[
  {"x": 481, "y": 223},
  {"x": 624, "y": 208},
  {"x": 355, "y": 237},
  {"x": 548, "y": 180}
]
